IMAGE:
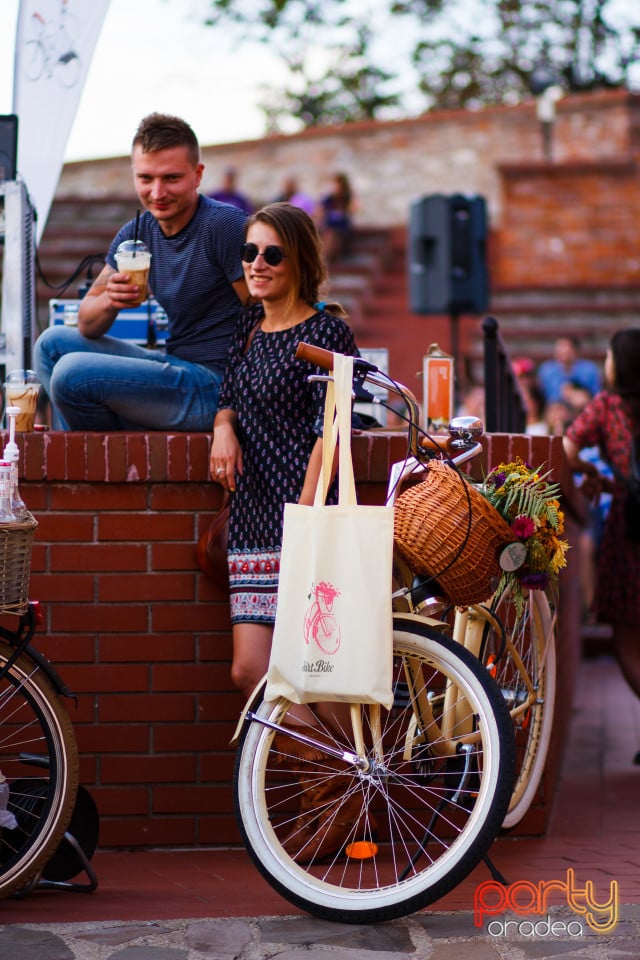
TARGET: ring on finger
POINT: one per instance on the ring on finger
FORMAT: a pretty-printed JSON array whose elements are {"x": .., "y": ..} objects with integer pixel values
[{"x": 220, "y": 470}]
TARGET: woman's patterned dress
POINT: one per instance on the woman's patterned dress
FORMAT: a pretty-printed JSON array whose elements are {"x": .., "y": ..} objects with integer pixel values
[{"x": 280, "y": 417}]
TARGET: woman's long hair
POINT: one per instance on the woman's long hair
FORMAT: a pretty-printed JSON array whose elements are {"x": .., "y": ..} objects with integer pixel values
[
  {"x": 625, "y": 350},
  {"x": 301, "y": 243}
]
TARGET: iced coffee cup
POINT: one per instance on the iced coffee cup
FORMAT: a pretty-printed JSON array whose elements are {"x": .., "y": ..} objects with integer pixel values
[
  {"x": 132, "y": 257},
  {"x": 22, "y": 389}
]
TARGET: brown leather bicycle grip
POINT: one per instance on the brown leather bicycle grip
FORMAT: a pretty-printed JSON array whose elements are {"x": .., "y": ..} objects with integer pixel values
[
  {"x": 318, "y": 356},
  {"x": 436, "y": 443}
]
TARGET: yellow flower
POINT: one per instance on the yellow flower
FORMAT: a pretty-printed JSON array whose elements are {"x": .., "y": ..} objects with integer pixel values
[{"x": 559, "y": 559}]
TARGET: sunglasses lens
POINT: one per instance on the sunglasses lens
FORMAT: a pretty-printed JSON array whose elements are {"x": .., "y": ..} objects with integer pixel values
[{"x": 272, "y": 255}]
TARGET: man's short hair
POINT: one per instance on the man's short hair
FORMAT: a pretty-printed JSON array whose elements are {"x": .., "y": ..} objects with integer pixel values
[{"x": 160, "y": 131}]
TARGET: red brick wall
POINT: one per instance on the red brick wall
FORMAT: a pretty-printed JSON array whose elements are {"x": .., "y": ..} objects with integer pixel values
[
  {"x": 568, "y": 222},
  {"x": 569, "y": 225},
  {"x": 143, "y": 639}
]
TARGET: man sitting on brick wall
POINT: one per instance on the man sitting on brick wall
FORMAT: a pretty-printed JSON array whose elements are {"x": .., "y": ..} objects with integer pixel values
[{"x": 98, "y": 382}]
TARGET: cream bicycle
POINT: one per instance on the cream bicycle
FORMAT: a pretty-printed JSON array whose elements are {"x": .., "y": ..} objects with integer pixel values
[{"x": 417, "y": 793}]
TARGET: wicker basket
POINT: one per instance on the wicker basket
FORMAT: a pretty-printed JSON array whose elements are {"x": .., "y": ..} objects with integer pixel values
[
  {"x": 433, "y": 534},
  {"x": 15, "y": 564}
]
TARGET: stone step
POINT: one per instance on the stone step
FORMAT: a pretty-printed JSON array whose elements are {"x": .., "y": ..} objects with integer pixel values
[{"x": 543, "y": 299}]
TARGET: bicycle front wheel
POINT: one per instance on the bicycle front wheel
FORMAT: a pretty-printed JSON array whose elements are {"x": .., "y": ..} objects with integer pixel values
[
  {"x": 39, "y": 759},
  {"x": 416, "y": 818},
  {"x": 522, "y": 661}
]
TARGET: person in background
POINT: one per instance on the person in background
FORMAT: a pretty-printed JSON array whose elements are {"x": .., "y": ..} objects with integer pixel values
[
  {"x": 228, "y": 192},
  {"x": 98, "y": 382},
  {"x": 336, "y": 217},
  {"x": 558, "y": 417},
  {"x": 576, "y": 397},
  {"x": 611, "y": 421},
  {"x": 472, "y": 403},
  {"x": 535, "y": 408},
  {"x": 567, "y": 367},
  {"x": 524, "y": 369},
  {"x": 291, "y": 193},
  {"x": 267, "y": 450}
]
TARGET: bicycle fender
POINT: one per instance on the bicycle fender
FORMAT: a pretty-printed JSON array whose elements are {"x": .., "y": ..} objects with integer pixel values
[
  {"x": 254, "y": 699},
  {"x": 51, "y": 673}
]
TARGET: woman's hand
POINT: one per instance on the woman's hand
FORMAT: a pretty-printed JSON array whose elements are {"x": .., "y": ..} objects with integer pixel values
[
  {"x": 225, "y": 461},
  {"x": 592, "y": 485}
]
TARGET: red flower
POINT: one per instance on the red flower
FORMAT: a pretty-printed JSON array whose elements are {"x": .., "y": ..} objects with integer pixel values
[{"x": 523, "y": 527}]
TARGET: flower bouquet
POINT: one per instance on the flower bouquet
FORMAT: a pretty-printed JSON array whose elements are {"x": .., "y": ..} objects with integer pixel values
[{"x": 529, "y": 502}]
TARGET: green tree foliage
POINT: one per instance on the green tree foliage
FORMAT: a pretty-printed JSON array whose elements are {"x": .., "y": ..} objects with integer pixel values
[
  {"x": 458, "y": 53},
  {"x": 350, "y": 88}
]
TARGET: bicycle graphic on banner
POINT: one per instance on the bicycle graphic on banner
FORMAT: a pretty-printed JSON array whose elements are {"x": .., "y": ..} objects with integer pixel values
[{"x": 52, "y": 51}]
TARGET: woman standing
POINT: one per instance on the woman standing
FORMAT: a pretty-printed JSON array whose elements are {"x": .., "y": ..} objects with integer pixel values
[
  {"x": 267, "y": 443},
  {"x": 611, "y": 421}
]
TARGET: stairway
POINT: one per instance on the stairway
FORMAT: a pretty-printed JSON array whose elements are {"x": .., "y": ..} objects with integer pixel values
[
  {"x": 371, "y": 283},
  {"x": 76, "y": 229}
]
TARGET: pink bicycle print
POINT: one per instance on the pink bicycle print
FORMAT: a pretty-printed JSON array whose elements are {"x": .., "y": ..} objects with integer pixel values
[{"x": 319, "y": 622}]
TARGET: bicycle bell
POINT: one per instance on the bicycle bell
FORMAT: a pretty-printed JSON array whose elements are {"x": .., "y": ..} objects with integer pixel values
[{"x": 464, "y": 431}]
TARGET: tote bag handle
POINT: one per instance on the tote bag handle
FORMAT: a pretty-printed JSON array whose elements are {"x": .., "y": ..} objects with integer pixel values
[{"x": 337, "y": 430}]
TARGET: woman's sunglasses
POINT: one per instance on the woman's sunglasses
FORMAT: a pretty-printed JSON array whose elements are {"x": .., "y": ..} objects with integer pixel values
[{"x": 272, "y": 254}]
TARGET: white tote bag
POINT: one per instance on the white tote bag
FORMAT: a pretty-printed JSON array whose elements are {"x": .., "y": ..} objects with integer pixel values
[{"x": 333, "y": 637}]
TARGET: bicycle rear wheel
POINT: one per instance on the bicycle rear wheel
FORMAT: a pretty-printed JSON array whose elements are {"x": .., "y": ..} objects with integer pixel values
[
  {"x": 523, "y": 664},
  {"x": 39, "y": 759},
  {"x": 422, "y": 815}
]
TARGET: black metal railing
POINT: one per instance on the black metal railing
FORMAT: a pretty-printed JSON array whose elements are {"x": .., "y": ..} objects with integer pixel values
[{"x": 504, "y": 403}]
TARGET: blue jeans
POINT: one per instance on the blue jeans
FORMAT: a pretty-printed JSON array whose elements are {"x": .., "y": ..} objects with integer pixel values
[{"x": 110, "y": 384}]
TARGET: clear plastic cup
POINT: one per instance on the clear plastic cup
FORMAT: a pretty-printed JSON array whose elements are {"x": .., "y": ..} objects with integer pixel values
[
  {"x": 133, "y": 257},
  {"x": 22, "y": 389}
]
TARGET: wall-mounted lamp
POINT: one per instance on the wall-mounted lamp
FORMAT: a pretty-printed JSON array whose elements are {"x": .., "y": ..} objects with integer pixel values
[{"x": 545, "y": 88}]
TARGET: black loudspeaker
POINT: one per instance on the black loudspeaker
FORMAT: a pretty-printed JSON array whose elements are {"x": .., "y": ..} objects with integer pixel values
[
  {"x": 8, "y": 146},
  {"x": 447, "y": 254}
]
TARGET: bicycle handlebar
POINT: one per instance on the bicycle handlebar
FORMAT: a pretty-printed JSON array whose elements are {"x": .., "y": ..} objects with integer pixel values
[
  {"x": 365, "y": 371},
  {"x": 318, "y": 356},
  {"x": 423, "y": 447}
]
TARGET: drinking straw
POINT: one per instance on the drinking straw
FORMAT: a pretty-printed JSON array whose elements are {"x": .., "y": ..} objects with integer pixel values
[{"x": 135, "y": 233}]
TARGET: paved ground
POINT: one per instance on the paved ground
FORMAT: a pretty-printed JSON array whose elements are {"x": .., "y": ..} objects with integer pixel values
[
  {"x": 437, "y": 936},
  {"x": 192, "y": 905}
]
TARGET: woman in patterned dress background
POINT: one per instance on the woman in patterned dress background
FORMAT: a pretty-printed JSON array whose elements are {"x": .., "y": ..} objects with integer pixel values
[
  {"x": 267, "y": 443},
  {"x": 611, "y": 421}
]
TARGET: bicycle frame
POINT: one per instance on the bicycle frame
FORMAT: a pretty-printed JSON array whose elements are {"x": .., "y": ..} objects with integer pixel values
[{"x": 526, "y": 688}]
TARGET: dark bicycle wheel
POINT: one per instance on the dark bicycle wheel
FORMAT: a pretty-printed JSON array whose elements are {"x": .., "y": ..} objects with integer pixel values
[{"x": 39, "y": 759}]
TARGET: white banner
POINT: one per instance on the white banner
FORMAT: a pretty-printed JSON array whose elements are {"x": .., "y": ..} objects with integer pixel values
[{"x": 55, "y": 41}]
